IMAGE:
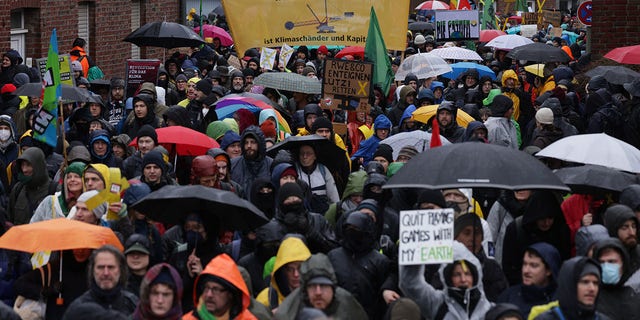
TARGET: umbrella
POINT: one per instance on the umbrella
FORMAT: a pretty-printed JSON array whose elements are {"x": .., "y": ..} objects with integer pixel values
[
  {"x": 164, "y": 34},
  {"x": 614, "y": 74},
  {"x": 355, "y": 51},
  {"x": 55, "y": 234},
  {"x": 589, "y": 179},
  {"x": 626, "y": 55},
  {"x": 211, "y": 31},
  {"x": 433, "y": 5},
  {"x": 536, "y": 69},
  {"x": 475, "y": 165},
  {"x": 424, "y": 114},
  {"x": 69, "y": 93},
  {"x": 171, "y": 204},
  {"x": 422, "y": 65},
  {"x": 456, "y": 53},
  {"x": 228, "y": 105},
  {"x": 419, "y": 139},
  {"x": 421, "y": 26},
  {"x": 490, "y": 34},
  {"x": 184, "y": 141},
  {"x": 539, "y": 52},
  {"x": 461, "y": 67},
  {"x": 508, "y": 42},
  {"x": 595, "y": 148},
  {"x": 289, "y": 81},
  {"x": 327, "y": 152}
]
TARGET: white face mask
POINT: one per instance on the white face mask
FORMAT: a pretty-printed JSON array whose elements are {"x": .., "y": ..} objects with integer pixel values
[{"x": 5, "y": 134}]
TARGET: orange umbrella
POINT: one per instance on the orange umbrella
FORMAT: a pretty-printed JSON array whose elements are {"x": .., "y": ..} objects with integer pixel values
[{"x": 58, "y": 234}]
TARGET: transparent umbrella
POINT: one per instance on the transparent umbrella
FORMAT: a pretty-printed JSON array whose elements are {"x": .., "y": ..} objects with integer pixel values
[{"x": 423, "y": 65}]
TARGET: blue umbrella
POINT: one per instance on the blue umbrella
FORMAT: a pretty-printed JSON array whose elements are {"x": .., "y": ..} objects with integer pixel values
[{"x": 460, "y": 67}]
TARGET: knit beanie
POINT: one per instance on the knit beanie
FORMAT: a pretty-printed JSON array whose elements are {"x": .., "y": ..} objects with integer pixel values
[
  {"x": 230, "y": 137},
  {"x": 289, "y": 189},
  {"x": 590, "y": 269},
  {"x": 203, "y": 166},
  {"x": 432, "y": 196},
  {"x": 148, "y": 131},
  {"x": 205, "y": 86},
  {"x": 154, "y": 157},
  {"x": 75, "y": 167},
  {"x": 370, "y": 204},
  {"x": 291, "y": 171},
  {"x": 321, "y": 122},
  {"x": 408, "y": 151},
  {"x": 181, "y": 77},
  {"x": 500, "y": 105},
  {"x": 99, "y": 210},
  {"x": 544, "y": 116},
  {"x": 385, "y": 151},
  {"x": 465, "y": 220}
]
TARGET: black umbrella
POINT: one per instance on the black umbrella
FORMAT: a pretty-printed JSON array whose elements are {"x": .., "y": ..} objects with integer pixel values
[
  {"x": 171, "y": 204},
  {"x": 327, "y": 152},
  {"x": 592, "y": 179},
  {"x": 164, "y": 34},
  {"x": 475, "y": 165},
  {"x": 421, "y": 26},
  {"x": 538, "y": 52},
  {"x": 614, "y": 74},
  {"x": 69, "y": 93}
]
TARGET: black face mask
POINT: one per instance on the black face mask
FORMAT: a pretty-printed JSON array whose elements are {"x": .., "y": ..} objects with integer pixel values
[
  {"x": 266, "y": 250},
  {"x": 163, "y": 83},
  {"x": 357, "y": 241},
  {"x": 193, "y": 239}
]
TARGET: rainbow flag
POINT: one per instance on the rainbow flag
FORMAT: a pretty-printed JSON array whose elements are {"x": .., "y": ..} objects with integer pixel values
[{"x": 45, "y": 125}]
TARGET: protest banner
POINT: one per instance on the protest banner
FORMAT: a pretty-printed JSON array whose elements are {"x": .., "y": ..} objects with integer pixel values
[
  {"x": 268, "y": 23},
  {"x": 426, "y": 237},
  {"x": 65, "y": 69},
  {"x": 140, "y": 71},
  {"x": 45, "y": 124},
  {"x": 346, "y": 84},
  {"x": 454, "y": 25},
  {"x": 528, "y": 30},
  {"x": 532, "y": 18}
]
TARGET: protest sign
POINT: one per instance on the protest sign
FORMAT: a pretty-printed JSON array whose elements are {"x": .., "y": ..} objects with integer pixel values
[
  {"x": 140, "y": 71},
  {"x": 556, "y": 32},
  {"x": 285, "y": 54},
  {"x": 454, "y": 25},
  {"x": 300, "y": 22},
  {"x": 531, "y": 18},
  {"x": 346, "y": 84},
  {"x": 65, "y": 69},
  {"x": 267, "y": 58},
  {"x": 552, "y": 17},
  {"x": 426, "y": 237},
  {"x": 528, "y": 30}
]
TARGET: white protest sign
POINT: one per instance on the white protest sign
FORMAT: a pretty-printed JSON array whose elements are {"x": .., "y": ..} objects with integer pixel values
[
  {"x": 426, "y": 237},
  {"x": 267, "y": 58},
  {"x": 285, "y": 54},
  {"x": 528, "y": 30}
]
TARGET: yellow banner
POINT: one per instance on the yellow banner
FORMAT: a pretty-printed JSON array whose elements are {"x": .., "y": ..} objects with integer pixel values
[{"x": 269, "y": 23}]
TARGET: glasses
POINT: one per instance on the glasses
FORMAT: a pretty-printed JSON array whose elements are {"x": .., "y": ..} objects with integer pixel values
[{"x": 214, "y": 290}]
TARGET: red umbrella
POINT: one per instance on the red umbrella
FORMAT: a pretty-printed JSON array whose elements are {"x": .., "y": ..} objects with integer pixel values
[
  {"x": 211, "y": 31},
  {"x": 488, "y": 35},
  {"x": 626, "y": 55},
  {"x": 185, "y": 141},
  {"x": 355, "y": 51},
  {"x": 433, "y": 5}
]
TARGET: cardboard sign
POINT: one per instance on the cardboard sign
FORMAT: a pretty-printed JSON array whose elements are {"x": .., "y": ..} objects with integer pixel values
[
  {"x": 65, "y": 69},
  {"x": 140, "y": 71},
  {"x": 454, "y": 25},
  {"x": 531, "y": 18},
  {"x": 556, "y": 32},
  {"x": 528, "y": 30},
  {"x": 552, "y": 17},
  {"x": 346, "y": 84},
  {"x": 426, "y": 237}
]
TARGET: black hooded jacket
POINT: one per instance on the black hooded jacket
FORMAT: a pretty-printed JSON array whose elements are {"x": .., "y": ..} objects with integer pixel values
[
  {"x": 268, "y": 238},
  {"x": 243, "y": 170},
  {"x": 133, "y": 124},
  {"x": 614, "y": 217}
]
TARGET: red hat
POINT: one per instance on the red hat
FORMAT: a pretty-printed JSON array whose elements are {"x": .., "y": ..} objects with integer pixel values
[
  {"x": 323, "y": 49},
  {"x": 8, "y": 88},
  {"x": 269, "y": 129},
  {"x": 289, "y": 172}
]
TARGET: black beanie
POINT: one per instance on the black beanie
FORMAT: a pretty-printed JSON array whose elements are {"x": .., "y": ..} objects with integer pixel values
[
  {"x": 385, "y": 151},
  {"x": 205, "y": 86},
  {"x": 432, "y": 196},
  {"x": 465, "y": 220},
  {"x": 500, "y": 105},
  {"x": 321, "y": 122},
  {"x": 148, "y": 131},
  {"x": 289, "y": 189},
  {"x": 154, "y": 157}
]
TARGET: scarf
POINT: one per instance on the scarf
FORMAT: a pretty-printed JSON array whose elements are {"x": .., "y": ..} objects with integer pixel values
[{"x": 203, "y": 313}]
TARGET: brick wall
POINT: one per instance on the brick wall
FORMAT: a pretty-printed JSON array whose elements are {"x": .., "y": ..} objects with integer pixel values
[{"x": 616, "y": 23}]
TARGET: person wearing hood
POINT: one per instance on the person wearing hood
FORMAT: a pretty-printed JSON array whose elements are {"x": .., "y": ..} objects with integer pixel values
[
  {"x": 296, "y": 218},
  {"x": 381, "y": 129},
  {"x": 361, "y": 269},
  {"x": 267, "y": 241},
  {"x": 222, "y": 166},
  {"x": 8, "y": 142},
  {"x": 469, "y": 82},
  {"x": 312, "y": 111},
  {"x": 522, "y": 108},
  {"x": 407, "y": 98},
  {"x": 319, "y": 289},
  {"x": 220, "y": 292},
  {"x": 270, "y": 115},
  {"x": 407, "y": 123},
  {"x": 622, "y": 223},
  {"x": 501, "y": 130},
  {"x": 285, "y": 277},
  {"x": 351, "y": 197},
  {"x": 33, "y": 185},
  {"x": 630, "y": 197},
  {"x": 231, "y": 143},
  {"x": 616, "y": 298},
  {"x": 542, "y": 221},
  {"x": 59, "y": 204},
  {"x": 509, "y": 206},
  {"x": 475, "y": 131},
  {"x": 120, "y": 146},
  {"x": 540, "y": 265},
  {"x": 587, "y": 237},
  {"x": 578, "y": 291},
  {"x": 463, "y": 295},
  {"x": 177, "y": 116},
  {"x": 446, "y": 117},
  {"x": 116, "y": 103},
  {"x": 318, "y": 177},
  {"x": 10, "y": 66},
  {"x": 504, "y": 311},
  {"x": 141, "y": 225},
  {"x": 254, "y": 163},
  {"x": 237, "y": 82},
  {"x": 160, "y": 294},
  {"x": 143, "y": 108},
  {"x": 101, "y": 151},
  {"x": 607, "y": 118}
]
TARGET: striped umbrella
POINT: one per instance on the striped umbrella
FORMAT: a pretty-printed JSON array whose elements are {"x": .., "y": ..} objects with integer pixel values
[
  {"x": 226, "y": 107},
  {"x": 433, "y": 5}
]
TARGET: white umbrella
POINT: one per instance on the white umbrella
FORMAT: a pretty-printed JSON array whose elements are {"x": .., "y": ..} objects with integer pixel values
[
  {"x": 421, "y": 140},
  {"x": 456, "y": 53},
  {"x": 596, "y": 148},
  {"x": 508, "y": 42},
  {"x": 423, "y": 65}
]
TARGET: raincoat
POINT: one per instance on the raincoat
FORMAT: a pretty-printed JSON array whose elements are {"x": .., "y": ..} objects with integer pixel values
[
  {"x": 143, "y": 310},
  {"x": 26, "y": 196}
]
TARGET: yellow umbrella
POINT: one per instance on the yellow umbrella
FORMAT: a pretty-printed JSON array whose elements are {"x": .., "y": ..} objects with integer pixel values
[
  {"x": 537, "y": 69},
  {"x": 423, "y": 114}
]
